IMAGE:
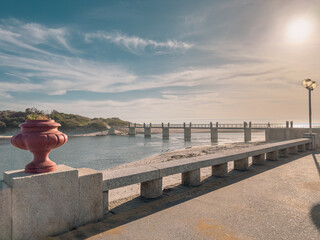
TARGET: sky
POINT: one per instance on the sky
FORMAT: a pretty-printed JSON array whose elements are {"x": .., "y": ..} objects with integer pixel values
[{"x": 160, "y": 61}]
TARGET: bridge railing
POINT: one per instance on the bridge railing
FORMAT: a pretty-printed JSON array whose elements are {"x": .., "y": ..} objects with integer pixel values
[
  {"x": 230, "y": 125},
  {"x": 304, "y": 125},
  {"x": 278, "y": 125},
  {"x": 200, "y": 125},
  {"x": 225, "y": 125}
]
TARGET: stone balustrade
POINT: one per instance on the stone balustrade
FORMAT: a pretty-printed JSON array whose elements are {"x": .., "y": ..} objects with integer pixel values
[{"x": 150, "y": 176}]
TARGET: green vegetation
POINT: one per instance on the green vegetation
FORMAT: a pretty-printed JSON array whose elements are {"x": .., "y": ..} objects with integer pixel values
[{"x": 69, "y": 122}]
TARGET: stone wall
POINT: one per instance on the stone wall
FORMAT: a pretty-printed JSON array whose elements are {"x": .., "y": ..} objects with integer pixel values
[{"x": 280, "y": 134}]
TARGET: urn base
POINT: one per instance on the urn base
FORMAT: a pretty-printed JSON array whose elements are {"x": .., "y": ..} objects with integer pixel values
[{"x": 33, "y": 168}]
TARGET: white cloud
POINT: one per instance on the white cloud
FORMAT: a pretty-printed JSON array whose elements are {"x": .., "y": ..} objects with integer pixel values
[
  {"x": 29, "y": 35},
  {"x": 59, "y": 74},
  {"x": 136, "y": 44},
  {"x": 259, "y": 84},
  {"x": 42, "y": 71}
]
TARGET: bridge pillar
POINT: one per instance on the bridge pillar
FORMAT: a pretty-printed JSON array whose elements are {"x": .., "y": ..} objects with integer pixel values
[
  {"x": 191, "y": 178},
  {"x": 267, "y": 134},
  {"x": 291, "y": 124},
  {"x": 258, "y": 159},
  {"x": 273, "y": 156},
  {"x": 132, "y": 131},
  {"x": 147, "y": 132},
  {"x": 247, "y": 133},
  {"x": 214, "y": 134},
  {"x": 287, "y": 131},
  {"x": 220, "y": 170},
  {"x": 287, "y": 124},
  {"x": 187, "y": 133},
  {"x": 151, "y": 189},
  {"x": 165, "y": 133},
  {"x": 241, "y": 164}
]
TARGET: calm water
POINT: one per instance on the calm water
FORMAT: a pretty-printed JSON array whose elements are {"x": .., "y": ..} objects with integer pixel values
[{"x": 109, "y": 151}]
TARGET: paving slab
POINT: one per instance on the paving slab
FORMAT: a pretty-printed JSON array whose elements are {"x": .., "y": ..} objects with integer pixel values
[{"x": 278, "y": 200}]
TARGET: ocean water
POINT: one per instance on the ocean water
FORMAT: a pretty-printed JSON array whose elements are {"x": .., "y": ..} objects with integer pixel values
[{"x": 104, "y": 152}]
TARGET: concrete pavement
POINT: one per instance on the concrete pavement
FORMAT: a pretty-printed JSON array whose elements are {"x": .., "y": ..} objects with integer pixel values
[{"x": 279, "y": 200}]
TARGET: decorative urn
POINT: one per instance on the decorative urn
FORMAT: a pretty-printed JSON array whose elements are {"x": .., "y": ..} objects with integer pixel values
[{"x": 39, "y": 137}]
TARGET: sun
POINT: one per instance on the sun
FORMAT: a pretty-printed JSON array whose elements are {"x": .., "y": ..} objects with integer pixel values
[{"x": 299, "y": 30}]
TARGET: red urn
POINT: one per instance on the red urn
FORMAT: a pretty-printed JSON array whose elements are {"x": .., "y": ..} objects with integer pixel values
[{"x": 39, "y": 137}]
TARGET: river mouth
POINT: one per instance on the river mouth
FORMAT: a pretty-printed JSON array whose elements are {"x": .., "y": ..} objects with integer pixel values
[{"x": 105, "y": 152}]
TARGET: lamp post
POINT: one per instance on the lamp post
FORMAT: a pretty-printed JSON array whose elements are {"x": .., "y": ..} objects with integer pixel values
[{"x": 309, "y": 85}]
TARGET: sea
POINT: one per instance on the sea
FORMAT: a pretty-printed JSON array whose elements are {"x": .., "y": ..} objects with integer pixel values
[{"x": 102, "y": 152}]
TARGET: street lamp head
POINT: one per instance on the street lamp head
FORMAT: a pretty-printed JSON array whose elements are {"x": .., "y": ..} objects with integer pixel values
[
  {"x": 306, "y": 82},
  {"x": 313, "y": 85},
  {"x": 309, "y": 84}
]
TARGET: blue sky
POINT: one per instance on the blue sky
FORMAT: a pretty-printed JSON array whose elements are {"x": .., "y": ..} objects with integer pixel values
[{"x": 159, "y": 61}]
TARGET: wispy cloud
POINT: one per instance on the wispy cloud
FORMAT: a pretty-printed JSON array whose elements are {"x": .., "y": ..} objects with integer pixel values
[
  {"x": 136, "y": 44},
  {"x": 210, "y": 90},
  {"x": 40, "y": 69},
  {"x": 31, "y": 35}
]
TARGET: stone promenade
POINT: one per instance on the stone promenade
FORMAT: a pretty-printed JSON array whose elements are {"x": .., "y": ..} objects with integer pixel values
[{"x": 279, "y": 200}]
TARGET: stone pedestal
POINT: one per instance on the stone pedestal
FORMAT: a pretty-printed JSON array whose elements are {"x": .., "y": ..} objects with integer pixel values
[
  {"x": 147, "y": 132},
  {"x": 5, "y": 211},
  {"x": 214, "y": 134},
  {"x": 151, "y": 189},
  {"x": 132, "y": 131},
  {"x": 105, "y": 202},
  {"x": 302, "y": 148},
  {"x": 247, "y": 134},
  {"x": 272, "y": 156},
  {"x": 309, "y": 146},
  {"x": 220, "y": 170},
  {"x": 293, "y": 150},
  {"x": 259, "y": 159},
  {"x": 241, "y": 164},
  {"x": 187, "y": 134},
  {"x": 284, "y": 152},
  {"x": 191, "y": 178},
  {"x": 165, "y": 133},
  {"x": 43, "y": 204},
  {"x": 90, "y": 196},
  {"x": 47, "y": 204}
]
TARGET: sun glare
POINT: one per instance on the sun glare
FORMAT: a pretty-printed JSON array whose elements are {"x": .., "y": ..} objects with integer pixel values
[{"x": 299, "y": 30}]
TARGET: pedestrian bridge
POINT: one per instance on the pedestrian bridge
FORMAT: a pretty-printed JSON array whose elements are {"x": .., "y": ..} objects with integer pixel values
[{"x": 214, "y": 128}]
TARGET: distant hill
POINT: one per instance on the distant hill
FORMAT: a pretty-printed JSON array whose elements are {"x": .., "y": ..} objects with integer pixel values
[{"x": 10, "y": 120}]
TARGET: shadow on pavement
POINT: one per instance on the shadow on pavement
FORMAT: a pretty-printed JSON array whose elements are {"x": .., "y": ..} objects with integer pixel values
[
  {"x": 315, "y": 210},
  {"x": 315, "y": 215},
  {"x": 138, "y": 208},
  {"x": 316, "y": 162}
]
